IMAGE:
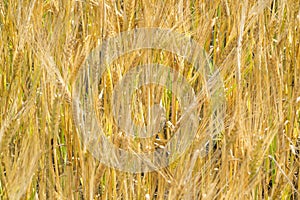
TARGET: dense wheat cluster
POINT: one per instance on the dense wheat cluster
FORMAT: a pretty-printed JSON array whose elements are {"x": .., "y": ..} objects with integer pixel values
[{"x": 254, "y": 45}]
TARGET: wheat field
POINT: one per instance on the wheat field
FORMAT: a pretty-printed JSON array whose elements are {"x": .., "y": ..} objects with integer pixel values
[{"x": 254, "y": 45}]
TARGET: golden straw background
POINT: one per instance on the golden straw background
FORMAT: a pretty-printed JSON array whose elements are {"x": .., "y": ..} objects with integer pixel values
[{"x": 255, "y": 44}]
